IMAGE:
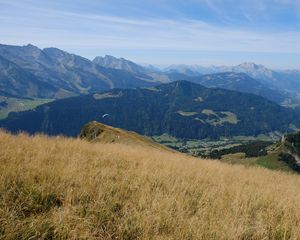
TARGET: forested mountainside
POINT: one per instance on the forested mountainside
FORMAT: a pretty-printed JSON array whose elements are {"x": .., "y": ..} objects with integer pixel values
[{"x": 181, "y": 109}]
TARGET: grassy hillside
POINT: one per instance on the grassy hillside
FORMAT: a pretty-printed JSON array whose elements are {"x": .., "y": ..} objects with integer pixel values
[
  {"x": 98, "y": 132},
  {"x": 72, "y": 189}
]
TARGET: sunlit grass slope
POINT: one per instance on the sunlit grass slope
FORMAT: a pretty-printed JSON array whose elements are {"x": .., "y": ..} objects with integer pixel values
[
  {"x": 71, "y": 189},
  {"x": 101, "y": 133}
]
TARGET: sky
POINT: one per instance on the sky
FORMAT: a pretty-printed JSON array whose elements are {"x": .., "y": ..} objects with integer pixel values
[{"x": 161, "y": 32}]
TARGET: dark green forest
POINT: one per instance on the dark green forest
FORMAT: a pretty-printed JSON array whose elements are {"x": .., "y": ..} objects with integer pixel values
[{"x": 182, "y": 109}]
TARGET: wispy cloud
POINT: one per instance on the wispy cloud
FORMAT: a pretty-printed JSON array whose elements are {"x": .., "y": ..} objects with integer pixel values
[
  {"x": 46, "y": 26},
  {"x": 120, "y": 32}
]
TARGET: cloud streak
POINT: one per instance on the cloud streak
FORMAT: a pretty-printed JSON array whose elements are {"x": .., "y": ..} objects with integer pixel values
[{"x": 81, "y": 30}]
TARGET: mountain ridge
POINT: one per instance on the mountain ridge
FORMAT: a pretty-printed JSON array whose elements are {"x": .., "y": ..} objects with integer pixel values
[
  {"x": 181, "y": 109},
  {"x": 69, "y": 73},
  {"x": 120, "y": 63},
  {"x": 287, "y": 80},
  {"x": 240, "y": 82}
]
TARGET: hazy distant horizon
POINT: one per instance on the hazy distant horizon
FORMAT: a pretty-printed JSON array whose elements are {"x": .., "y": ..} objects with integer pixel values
[
  {"x": 203, "y": 32},
  {"x": 160, "y": 65}
]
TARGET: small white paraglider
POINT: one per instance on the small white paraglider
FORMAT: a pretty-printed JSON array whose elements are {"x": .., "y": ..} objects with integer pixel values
[{"x": 105, "y": 115}]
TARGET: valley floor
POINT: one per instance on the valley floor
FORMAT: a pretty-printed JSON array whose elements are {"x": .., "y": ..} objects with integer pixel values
[{"x": 71, "y": 189}]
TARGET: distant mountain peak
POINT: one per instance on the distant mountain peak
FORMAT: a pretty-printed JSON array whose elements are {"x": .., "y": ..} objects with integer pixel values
[
  {"x": 251, "y": 65},
  {"x": 55, "y": 50},
  {"x": 27, "y": 47},
  {"x": 109, "y": 57},
  {"x": 254, "y": 70},
  {"x": 109, "y": 61},
  {"x": 32, "y": 48},
  {"x": 31, "y": 45}
]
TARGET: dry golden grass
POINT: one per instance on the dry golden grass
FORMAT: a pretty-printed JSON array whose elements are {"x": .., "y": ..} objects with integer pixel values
[
  {"x": 101, "y": 133},
  {"x": 71, "y": 189}
]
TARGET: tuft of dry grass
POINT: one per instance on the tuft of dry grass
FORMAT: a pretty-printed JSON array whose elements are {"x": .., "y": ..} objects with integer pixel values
[{"x": 59, "y": 188}]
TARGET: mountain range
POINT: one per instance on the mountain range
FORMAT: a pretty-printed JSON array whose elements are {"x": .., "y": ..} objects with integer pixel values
[
  {"x": 285, "y": 80},
  {"x": 181, "y": 109},
  {"x": 243, "y": 83},
  {"x": 30, "y": 76},
  {"x": 27, "y": 71}
]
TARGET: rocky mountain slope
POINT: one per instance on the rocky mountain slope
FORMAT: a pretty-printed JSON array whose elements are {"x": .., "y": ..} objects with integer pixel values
[{"x": 52, "y": 73}]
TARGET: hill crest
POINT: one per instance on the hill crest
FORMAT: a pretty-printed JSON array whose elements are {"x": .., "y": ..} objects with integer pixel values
[{"x": 98, "y": 132}]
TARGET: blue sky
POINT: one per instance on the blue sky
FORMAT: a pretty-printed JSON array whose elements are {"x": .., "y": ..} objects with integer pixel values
[{"x": 160, "y": 31}]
